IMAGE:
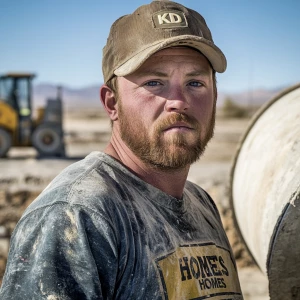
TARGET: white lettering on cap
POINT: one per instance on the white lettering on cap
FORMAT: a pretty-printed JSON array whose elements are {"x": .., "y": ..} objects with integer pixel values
[{"x": 168, "y": 18}]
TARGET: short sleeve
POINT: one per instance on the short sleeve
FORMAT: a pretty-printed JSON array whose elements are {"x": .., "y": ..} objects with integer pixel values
[{"x": 61, "y": 252}]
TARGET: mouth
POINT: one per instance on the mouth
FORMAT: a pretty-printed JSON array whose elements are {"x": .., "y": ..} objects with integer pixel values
[{"x": 179, "y": 126}]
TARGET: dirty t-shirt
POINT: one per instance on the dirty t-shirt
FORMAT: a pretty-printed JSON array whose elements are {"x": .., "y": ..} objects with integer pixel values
[{"x": 100, "y": 232}]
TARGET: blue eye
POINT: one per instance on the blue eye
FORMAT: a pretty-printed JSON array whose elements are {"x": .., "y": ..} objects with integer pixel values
[
  {"x": 195, "y": 83},
  {"x": 152, "y": 83}
]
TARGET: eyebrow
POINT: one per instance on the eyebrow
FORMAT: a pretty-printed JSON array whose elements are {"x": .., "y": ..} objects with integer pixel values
[{"x": 199, "y": 73}]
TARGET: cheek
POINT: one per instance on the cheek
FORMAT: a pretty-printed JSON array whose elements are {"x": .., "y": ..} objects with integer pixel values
[
  {"x": 148, "y": 107},
  {"x": 203, "y": 109}
]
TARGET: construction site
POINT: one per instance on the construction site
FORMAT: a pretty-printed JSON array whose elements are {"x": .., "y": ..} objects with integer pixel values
[{"x": 27, "y": 166}]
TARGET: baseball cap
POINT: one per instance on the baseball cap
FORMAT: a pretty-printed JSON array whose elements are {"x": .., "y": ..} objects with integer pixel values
[{"x": 158, "y": 25}]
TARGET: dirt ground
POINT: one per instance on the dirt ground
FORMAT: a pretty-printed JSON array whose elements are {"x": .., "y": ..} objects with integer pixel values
[{"x": 23, "y": 176}]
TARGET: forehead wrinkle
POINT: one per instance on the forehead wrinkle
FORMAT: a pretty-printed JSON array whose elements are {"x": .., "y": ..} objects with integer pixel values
[{"x": 148, "y": 72}]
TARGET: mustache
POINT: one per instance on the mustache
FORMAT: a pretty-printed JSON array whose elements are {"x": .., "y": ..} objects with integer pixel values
[{"x": 175, "y": 118}]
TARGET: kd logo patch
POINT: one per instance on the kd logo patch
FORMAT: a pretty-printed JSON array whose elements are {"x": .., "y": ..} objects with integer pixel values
[{"x": 169, "y": 19}]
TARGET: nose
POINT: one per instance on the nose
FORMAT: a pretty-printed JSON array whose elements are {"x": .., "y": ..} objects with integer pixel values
[{"x": 176, "y": 101}]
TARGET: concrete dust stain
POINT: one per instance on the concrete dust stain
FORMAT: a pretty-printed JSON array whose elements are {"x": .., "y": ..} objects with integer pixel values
[
  {"x": 71, "y": 253},
  {"x": 71, "y": 232},
  {"x": 35, "y": 244},
  {"x": 41, "y": 286},
  {"x": 71, "y": 217},
  {"x": 52, "y": 297}
]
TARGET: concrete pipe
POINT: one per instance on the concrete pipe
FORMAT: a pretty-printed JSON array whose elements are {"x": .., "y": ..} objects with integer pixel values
[{"x": 265, "y": 192}]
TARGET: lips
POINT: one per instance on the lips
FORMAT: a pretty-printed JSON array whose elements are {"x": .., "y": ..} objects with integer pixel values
[{"x": 179, "y": 126}]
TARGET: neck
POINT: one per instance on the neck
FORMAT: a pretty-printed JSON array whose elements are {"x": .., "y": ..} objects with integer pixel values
[{"x": 169, "y": 181}]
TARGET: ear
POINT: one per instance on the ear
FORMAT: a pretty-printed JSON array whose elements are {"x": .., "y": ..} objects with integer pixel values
[{"x": 109, "y": 102}]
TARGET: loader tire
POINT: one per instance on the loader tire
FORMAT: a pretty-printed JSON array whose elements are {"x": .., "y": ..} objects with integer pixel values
[
  {"x": 5, "y": 142},
  {"x": 47, "y": 140}
]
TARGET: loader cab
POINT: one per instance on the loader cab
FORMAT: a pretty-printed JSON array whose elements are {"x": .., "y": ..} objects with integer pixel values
[
  {"x": 19, "y": 128},
  {"x": 16, "y": 91}
]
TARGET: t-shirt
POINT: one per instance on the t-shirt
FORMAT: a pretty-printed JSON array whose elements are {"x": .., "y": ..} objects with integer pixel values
[{"x": 100, "y": 232}]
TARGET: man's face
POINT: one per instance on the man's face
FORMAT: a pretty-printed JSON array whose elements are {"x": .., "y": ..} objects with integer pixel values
[{"x": 167, "y": 108}]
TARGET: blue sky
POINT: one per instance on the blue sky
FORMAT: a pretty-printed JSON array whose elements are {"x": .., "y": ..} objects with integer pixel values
[{"x": 62, "y": 41}]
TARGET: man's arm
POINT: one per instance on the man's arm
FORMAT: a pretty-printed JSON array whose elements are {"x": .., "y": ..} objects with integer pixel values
[{"x": 61, "y": 252}]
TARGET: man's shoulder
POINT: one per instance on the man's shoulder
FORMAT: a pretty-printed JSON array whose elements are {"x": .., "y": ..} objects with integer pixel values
[{"x": 86, "y": 183}]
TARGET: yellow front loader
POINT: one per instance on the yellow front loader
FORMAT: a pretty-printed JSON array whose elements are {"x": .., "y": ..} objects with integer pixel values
[{"x": 18, "y": 128}]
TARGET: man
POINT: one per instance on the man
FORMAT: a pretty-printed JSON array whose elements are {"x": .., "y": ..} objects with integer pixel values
[{"x": 125, "y": 224}]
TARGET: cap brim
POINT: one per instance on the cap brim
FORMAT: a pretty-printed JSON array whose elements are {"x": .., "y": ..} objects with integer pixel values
[{"x": 207, "y": 48}]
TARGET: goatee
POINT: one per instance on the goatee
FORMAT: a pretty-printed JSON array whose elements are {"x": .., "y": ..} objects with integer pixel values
[{"x": 165, "y": 151}]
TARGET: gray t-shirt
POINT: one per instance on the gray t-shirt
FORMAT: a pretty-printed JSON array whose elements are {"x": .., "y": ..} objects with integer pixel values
[{"x": 100, "y": 232}]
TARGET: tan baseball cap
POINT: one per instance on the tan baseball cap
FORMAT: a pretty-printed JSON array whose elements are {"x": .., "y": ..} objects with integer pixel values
[{"x": 161, "y": 24}]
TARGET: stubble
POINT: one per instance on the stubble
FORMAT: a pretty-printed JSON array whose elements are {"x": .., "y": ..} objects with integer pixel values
[{"x": 171, "y": 152}]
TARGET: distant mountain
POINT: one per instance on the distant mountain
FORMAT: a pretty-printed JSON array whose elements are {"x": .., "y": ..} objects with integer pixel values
[
  {"x": 250, "y": 98},
  {"x": 88, "y": 97}
]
